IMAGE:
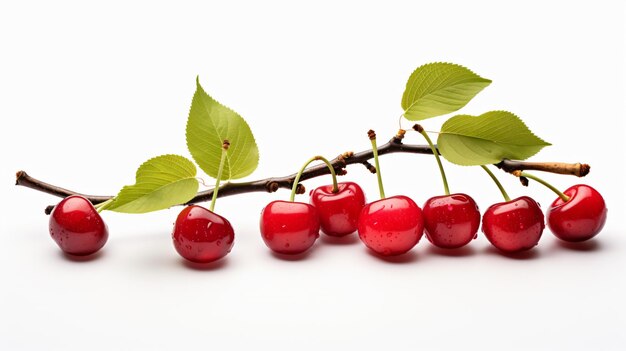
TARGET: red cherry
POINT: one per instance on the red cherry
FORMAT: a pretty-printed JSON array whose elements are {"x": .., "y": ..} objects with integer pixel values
[
  {"x": 289, "y": 227},
  {"x": 451, "y": 221},
  {"x": 579, "y": 219},
  {"x": 515, "y": 225},
  {"x": 338, "y": 212},
  {"x": 77, "y": 227},
  {"x": 202, "y": 236},
  {"x": 391, "y": 226}
]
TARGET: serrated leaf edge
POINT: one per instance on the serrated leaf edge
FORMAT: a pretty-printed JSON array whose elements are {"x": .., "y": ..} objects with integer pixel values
[{"x": 478, "y": 79}]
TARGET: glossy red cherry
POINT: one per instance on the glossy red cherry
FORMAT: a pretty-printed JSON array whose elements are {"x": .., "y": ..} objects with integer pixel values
[
  {"x": 289, "y": 227},
  {"x": 77, "y": 227},
  {"x": 579, "y": 219},
  {"x": 451, "y": 221},
  {"x": 515, "y": 225},
  {"x": 202, "y": 236},
  {"x": 338, "y": 212},
  {"x": 391, "y": 226}
]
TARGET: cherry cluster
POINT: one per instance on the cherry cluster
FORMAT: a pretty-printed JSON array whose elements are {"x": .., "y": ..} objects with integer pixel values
[{"x": 389, "y": 226}]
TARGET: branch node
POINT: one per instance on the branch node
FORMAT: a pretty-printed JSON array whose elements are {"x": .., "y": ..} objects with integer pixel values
[
  {"x": 341, "y": 159},
  {"x": 398, "y": 138},
  {"x": 524, "y": 181},
  {"x": 371, "y": 134},
  {"x": 272, "y": 187},
  {"x": 300, "y": 189},
  {"x": 341, "y": 172},
  {"x": 418, "y": 128},
  {"x": 369, "y": 167},
  {"x": 347, "y": 154}
]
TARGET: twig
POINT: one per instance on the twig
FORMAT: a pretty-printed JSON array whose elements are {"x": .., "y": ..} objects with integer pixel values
[{"x": 272, "y": 184}]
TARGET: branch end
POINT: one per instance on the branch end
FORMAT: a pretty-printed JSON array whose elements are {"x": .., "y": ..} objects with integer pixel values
[
  {"x": 583, "y": 170},
  {"x": 19, "y": 175}
]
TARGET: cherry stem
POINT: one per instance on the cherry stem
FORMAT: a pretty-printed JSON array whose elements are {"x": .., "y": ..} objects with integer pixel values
[
  {"x": 372, "y": 135},
  {"x": 225, "y": 146},
  {"x": 294, "y": 188},
  {"x": 421, "y": 130},
  {"x": 563, "y": 197},
  {"x": 493, "y": 177}
]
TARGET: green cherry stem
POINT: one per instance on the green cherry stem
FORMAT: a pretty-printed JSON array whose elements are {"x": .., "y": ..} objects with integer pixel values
[
  {"x": 312, "y": 159},
  {"x": 372, "y": 135},
  {"x": 495, "y": 180},
  {"x": 225, "y": 146},
  {"x": 563, "y": 197},
  {"x": 418, "y": 128}
]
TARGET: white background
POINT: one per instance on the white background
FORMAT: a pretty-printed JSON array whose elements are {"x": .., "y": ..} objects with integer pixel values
[{"x": 88, "y": 92}]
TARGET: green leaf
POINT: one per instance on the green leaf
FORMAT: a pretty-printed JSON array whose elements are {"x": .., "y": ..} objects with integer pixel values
[
  {"x": 161, "y": 182},
  {"x": 489, "y": 138},
  {"x": 208, "y": 125},
  {"x": 438, "y": 88}
]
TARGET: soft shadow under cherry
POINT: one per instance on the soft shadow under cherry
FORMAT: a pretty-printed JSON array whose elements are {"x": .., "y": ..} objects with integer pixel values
[
  {"x": 584, "y": 246},
  {"x": 408, "y": 257},
  {"x": 211, "y": 266},
  {"x": 87, "y": 258},
  {"x": 523, "y": 255},
  {"x": 295, "y": 257},
  {"x": 464, "y": 251}
]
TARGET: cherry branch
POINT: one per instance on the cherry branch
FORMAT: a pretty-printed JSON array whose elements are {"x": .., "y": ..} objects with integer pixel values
[{"x": 272, "y": 184}]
